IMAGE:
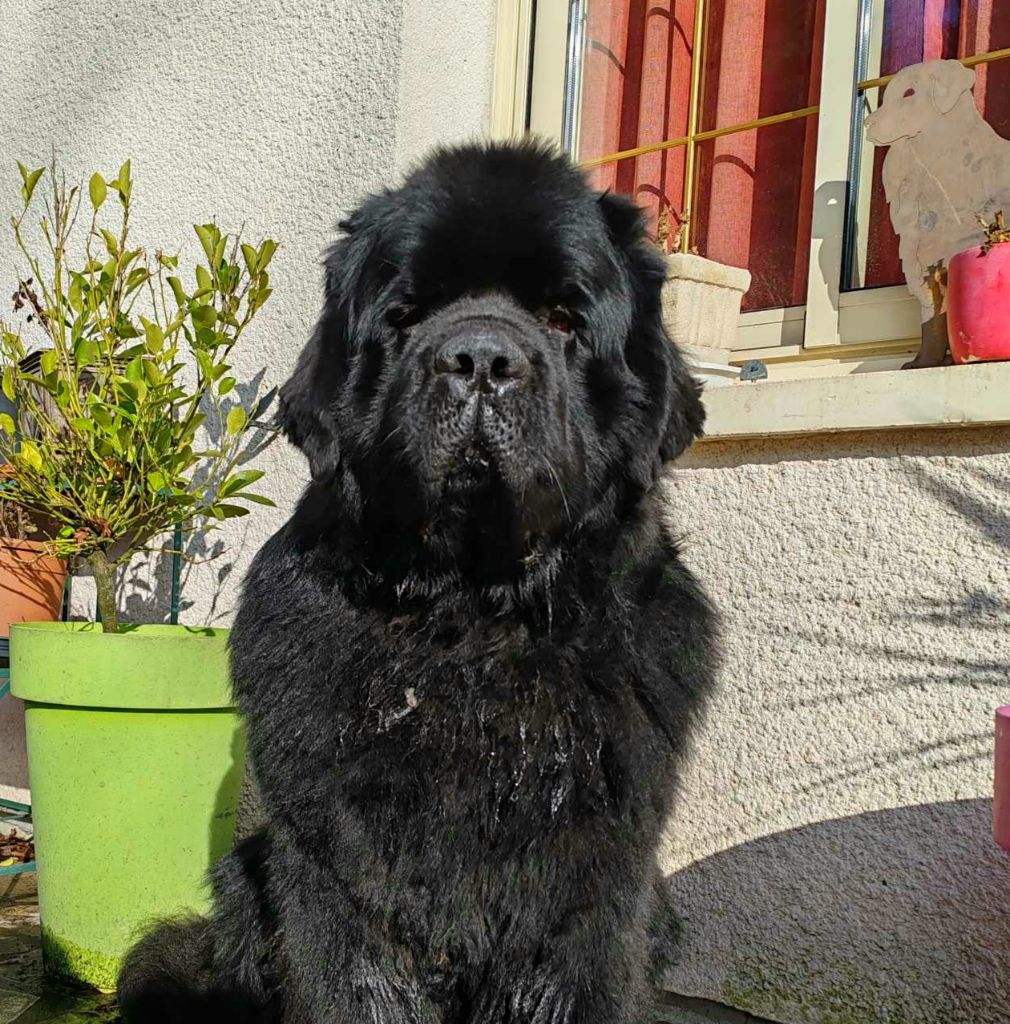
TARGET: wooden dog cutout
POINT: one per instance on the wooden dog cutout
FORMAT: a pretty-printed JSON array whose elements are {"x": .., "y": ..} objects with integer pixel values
[{"x": 945, "y": 167}]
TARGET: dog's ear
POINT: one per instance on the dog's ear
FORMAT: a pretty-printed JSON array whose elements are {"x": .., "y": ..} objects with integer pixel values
[
  {"x": 686, "y": 419},
  {"x": 306, "y": 410},
  {"x": 684, "y": 416},
  {"x": 308, "y": 403},
  {"x": 947, "y": 83},
  {"x": 624, "y": 219}
]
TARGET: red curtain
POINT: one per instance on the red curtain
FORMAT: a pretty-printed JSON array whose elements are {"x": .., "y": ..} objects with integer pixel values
[
  {"x": 636, "y": 89},
  {"x": 985, "y": 26},
  {"x": 754, "y": 190},
  {"x": 754, "y": 198}
]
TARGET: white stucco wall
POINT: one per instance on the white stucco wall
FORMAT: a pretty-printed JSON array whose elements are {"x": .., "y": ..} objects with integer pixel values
[
  {"x": 276, "y": 114},
  {"x": 831, "y": 854},
  {"x": 445, "y": 75}
]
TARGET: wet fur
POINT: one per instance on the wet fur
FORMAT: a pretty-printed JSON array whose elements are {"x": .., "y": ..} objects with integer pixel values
[{"x": 471, "y": 660}]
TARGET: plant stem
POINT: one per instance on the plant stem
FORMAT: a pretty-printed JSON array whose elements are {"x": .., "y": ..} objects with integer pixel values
[{"x": 104, "y": 572}]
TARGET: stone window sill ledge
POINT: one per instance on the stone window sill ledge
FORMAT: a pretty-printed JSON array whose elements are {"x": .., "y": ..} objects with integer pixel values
[{"x": 944, "y": 396}]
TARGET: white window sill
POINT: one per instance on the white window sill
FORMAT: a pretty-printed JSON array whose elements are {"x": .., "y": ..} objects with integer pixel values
[{"x": 945, "y": 396}]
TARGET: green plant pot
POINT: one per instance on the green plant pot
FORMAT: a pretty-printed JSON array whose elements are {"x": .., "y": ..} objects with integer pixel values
[{"x": 135, "y": 758}]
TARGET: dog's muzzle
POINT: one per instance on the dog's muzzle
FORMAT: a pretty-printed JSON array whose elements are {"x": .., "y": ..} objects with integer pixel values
[{"x": 480, "y": 357}]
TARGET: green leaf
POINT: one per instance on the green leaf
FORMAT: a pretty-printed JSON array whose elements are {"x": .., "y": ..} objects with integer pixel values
[
  {"x": 101, "y": 415},
  {"x": 267, "y": 250},
  {"x": 136, "y": 277},
  {"x": 204, "y": 316},
  {"x": 85, "y": 352},
  {"x": 236, "y": 420},
  {"x": 47, "y": 361},
  {"x": 135, "y": 371},
  {"x": 228, "y": 511},
  {"x": 125, "y": 329},
  {"x": 124, "y": 184},
  {"x": 97, "y": 189},
  {"x": 260, "y": 499},
  {"x": 110, "y": 242},
  {"x": 177, "y": 290},
  {"x": 8, "y": 382},
  {"x": 155, "y": 335},
  {"x": 30, "y": 456},
  {"x": 204, "y": 281},
  {"x": 239, "y": 481},
  {"x": 261, "y": 297},
  {"x": 207, "y": 239},
  {"x": 226, "y": 385},
  {"x": 251, "y": 257},
  {"x": 7, "y": 424},
  {"x": 75, "y": 296},
  {"x": 29, "y": 179},
  {"x": 205, "y": 364}
]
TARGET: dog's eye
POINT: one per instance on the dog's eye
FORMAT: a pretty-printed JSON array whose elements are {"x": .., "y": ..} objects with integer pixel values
[
  {"x": 907, "y": 93},
  {"x": 403, "y": 315},
  {"x": 557, "y": 318}
]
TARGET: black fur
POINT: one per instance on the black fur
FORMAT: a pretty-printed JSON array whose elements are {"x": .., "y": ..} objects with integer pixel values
[{"x": 470, "y": 661}]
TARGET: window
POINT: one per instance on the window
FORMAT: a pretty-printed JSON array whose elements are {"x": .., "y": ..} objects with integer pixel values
[{"x": 743, "y": 120}]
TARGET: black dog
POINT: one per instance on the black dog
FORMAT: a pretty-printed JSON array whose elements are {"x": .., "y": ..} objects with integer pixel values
[{"x": 470, "y": 661}]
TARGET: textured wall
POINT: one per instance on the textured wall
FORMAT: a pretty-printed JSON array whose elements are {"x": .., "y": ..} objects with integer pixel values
[
  {"x": 831, "y": 854},
  {"x": 446, "y": 74},
  {"x": 273, "y": 113}
]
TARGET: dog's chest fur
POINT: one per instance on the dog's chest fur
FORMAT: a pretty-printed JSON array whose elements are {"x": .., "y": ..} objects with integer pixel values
[{"x": 436, "y": 724}]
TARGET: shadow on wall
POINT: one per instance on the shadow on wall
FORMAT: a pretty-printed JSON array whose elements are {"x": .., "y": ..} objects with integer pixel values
[
  {"x": 921, "y": 889},
  {"x": 864, "y": 583}
]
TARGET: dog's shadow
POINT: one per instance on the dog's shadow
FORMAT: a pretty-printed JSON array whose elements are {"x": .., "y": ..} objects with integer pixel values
[{"x": 890, "y": 915}]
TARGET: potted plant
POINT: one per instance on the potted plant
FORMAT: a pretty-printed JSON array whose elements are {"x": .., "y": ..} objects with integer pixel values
[
  {"x": 978, "y": 297},
  {"x": 128, "y": 425},
  {"x": 701, "y": 302}
]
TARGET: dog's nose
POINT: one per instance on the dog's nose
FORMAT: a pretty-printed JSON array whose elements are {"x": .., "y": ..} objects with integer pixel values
[{"x": 482, "y": 358}]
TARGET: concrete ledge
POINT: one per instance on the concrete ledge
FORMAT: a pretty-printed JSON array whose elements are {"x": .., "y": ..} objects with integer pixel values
[{"x": 944, "y": 396}]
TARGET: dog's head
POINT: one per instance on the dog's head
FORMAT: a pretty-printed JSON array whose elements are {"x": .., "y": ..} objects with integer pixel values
[
  {"x": 491, "y": 371},
  {"x": 916, "y": 99}
]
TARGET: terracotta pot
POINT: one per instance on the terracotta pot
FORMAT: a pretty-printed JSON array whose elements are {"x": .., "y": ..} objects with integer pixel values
[
  {"x": 978, "y": 304},
  {"x": 31, "y": 583}
]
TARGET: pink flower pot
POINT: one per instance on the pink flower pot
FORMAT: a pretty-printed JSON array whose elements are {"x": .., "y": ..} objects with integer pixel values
[
  {"x": 978, "y": 304},
  {"x": 1001, "y": 780}
]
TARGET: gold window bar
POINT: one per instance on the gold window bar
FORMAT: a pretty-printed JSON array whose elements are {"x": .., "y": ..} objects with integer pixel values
[
  {"x": 694, "y": 137},
  {"x": 711, "y": 133},
  {"x": 968, "y": 62},
  {"x": 693, "y": 114}
]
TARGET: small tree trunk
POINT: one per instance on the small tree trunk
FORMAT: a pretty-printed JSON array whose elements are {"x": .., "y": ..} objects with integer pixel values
[{"x": 104, "y": 572}]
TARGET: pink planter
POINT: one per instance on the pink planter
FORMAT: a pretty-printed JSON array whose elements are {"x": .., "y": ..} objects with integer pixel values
[
  {"x": 978, "y": 304},
  {"x": 1001, "y": 780}
]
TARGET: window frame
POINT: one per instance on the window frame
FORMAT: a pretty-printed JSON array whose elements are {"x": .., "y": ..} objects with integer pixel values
[{"x": 871, "y": 328}]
